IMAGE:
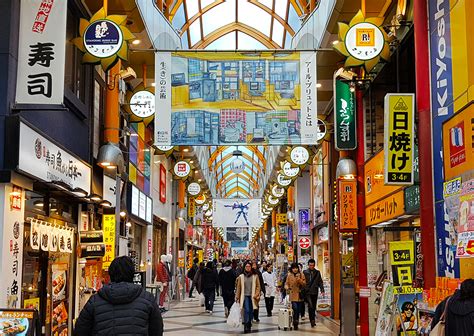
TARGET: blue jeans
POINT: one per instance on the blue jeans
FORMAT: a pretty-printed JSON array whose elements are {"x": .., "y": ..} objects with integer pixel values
[
  {"x": 297, "y": 310},
  {"x": 248, "y": 309}
]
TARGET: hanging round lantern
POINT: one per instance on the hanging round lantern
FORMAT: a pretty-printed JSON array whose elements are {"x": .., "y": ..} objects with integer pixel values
[{"x": 237, "y": 166}]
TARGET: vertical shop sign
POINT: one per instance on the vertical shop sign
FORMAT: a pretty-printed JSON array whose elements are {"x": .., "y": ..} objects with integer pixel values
[
  {"x": 439, "y": 15},
  {"x": 41, "y": 52},
  {"x": 163, "y": 98},
  {"x": 303, "y": 222},
  {"x": 399, "y": 138},
  {"x": 162, "y": 184},
  {"x": 347, "y": 205},
  {"x": 402, "y": 258},
  {"x": 309, "y": 100},
  {"x": 108, "y": 225},
  {"x": 12, "y": 248},
  {"x": 191, "y": 207},
  {"x": 344, "y": 117},
  {"x": 465, "y": 243}
]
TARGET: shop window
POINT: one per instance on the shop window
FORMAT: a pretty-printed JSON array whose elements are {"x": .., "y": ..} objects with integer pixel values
[
  {"x": 98, "y": 108},
  {"x": 35, "y": 202}
]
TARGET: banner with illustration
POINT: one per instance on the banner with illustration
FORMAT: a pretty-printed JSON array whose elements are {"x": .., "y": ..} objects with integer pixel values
[
  {"x": 407, "y": 316},
  {"x": 211, "y": 98},
  {"x": 465, "y": 244},
  {"x": 236, "y": 213}
]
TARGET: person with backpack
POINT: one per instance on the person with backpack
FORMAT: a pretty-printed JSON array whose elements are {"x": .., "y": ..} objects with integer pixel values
[
  {"x": 314, "y": 283},
  {"x": 191, "y": 273},
  {"x": 120, "y": 307}
]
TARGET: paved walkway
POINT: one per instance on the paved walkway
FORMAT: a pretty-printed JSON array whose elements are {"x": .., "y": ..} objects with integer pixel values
[{"x": 188, "y": 318}]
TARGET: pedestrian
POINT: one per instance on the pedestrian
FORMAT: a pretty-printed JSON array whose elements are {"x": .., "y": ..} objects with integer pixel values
[
  {"x": 295, "y": 282},
  {"x": 263, "y": 266},
  {"x": 120, "y": 307},
  {"x": 459, "y": 313},
  {"x": 248, "y": 294},
  {"x": 239, "y": 269},
  {"x": 209, "y": 284},
  {"x": 191, "y": 273},
  {"x": 197, "y": 279},
  {"x": 256, "y": 308},
  {"x": 162, "y": 278},
  {"x": 227, "y": 278},
  {"x": 283, "y": 275},
  {"x": 303, "y": 307},
  {"x": 270, "y": 282},
  {"x": 314, "y": 284}
]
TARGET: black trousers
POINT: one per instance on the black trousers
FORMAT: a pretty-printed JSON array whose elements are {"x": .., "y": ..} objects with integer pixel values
[
  {"x": 210, "y": 297},
  {"x": 312, "y": 300},
  {"x": 229, "y": 299},
  {"x": 191, "y": 289},
  {"x": 269, "y": 304}
]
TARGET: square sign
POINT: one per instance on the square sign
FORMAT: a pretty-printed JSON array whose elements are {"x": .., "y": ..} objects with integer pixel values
[
  {"x": 399, "y": 144},
  {"x": 344, "y": 117}
]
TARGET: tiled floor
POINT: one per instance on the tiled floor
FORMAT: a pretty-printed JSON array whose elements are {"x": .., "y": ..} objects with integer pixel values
[{"x": 188, "y": 318}]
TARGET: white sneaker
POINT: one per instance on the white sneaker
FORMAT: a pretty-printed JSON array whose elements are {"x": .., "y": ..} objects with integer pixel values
[
  {"x": 210, "y": 312},
  {"x": 303, "y": 318}
]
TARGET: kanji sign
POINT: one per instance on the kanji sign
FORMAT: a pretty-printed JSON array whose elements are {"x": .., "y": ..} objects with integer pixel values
[
  {"x": 41, "y": 52},
  {"x": 347, "y": 198},
  {"x": 386, "y": 209},
  {"x": 399, "y": 142},
  {"x": 304, "y": 242},
  {"x": 108, "y": 225},
  {"x": 344, "y": 117}
]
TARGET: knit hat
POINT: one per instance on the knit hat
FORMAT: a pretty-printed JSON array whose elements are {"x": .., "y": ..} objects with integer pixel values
[{"x": 121, "y": 269}]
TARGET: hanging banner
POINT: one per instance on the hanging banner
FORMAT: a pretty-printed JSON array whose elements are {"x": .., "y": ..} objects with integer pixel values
[
  {"x": 274, "y": 100},
  {"x": 41, "y": 52},
  {"x": 344, "y": 116},
  {"x": 386, "y": 311},
  {"x": 303, "y": 222},
  {"x": 237, "y": 213},
  {"x": 108, "y": 226},
  {"x": 347, "y": 205},
  {"x": 399, "y": 142},
  {"x": 237, "y": 234},
  {"x": 465, "y": 243}
]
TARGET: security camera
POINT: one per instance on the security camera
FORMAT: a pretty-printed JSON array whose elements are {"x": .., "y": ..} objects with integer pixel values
[{"x": 128, "y": 74}]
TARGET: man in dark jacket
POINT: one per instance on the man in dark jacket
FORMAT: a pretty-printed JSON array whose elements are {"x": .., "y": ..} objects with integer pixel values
[
  {"x": 314, "y": 283},
  {"x": 191, "y": 273},
  {"x": 120, "y": 307},
  {"x": 227, "y": 278},
  {"x": 262, "y": 288},
  {"x": 460, "y": 312},
  {"x": 209, "y": 284}
]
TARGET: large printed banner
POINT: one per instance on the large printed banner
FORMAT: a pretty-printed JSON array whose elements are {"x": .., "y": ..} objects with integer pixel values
[
  {"x": 211, "y": 98},
  {"x": 465, "y": 244},
  {"x": 237, "y": 213}
]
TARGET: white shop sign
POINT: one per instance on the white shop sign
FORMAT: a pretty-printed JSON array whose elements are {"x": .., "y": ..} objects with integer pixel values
[
  {"x": 41, "y": 158},
  {"x": 142, "y": 205}
]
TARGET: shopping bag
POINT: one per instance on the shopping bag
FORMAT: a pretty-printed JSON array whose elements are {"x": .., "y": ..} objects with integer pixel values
[
  {"x": 202, "y": 299},
  {"x": 233, "y": 320},
  {"x": 440, "y": 327}
]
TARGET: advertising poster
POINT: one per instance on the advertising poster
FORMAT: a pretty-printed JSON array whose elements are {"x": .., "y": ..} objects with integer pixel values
[
  {"x": 424, "y": 322},
  {"x": 108, "y": 225},
  {"x": 18, "y": 322},
  {"x": 60, "y": 303},
  {"x": 386, "y": 313},
  {"x": 407, "y": 317},
  {"x": 237, "y": 234},
  {"x": 273, "y": 101},
  {"x": 465, "y": 244},
  {"x": 237, "y": 213}
]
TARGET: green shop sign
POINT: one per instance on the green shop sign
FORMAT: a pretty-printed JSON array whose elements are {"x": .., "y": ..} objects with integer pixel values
[
  {"x": 412, "y": 199},
  {"x": 344, "y": 117}
]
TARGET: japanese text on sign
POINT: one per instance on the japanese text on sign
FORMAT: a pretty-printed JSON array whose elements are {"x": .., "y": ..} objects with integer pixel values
[
  {"x": 347, "y": 205},
  {"x": 398, "y": 138},
  {"x": 108, "y": 225},
  {"x": 344, "y": 117},
  {"x": 388, "y": 208}
]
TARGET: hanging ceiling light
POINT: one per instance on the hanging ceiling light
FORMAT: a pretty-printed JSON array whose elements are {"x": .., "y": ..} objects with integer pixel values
[{"x": 237, "y": 165}]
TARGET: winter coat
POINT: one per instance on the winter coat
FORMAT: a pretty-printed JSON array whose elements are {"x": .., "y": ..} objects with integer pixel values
[
  {"x": 162, "y": 274},
  {"x": 262, "y": 283},
  {"x": 120, "y": 309},
  {"x": 239, "y": 294},
  {"x": 314, "y": 282},
  {"x": 270, "y": 283},
  {"x": 293, "y": 286},
  {"x": 459, "y": 316},
  {"x": 227, "y": 278},
  {"x": 209, "y": 279},
  {"x": 197, "y": 280}
]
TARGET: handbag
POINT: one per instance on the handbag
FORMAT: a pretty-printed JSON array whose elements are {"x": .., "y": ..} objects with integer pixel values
[{"x": 440, "y": 327}]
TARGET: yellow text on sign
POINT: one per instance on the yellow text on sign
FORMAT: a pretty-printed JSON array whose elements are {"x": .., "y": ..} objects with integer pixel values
[
  {"x": 388, "y": 208},
  {"x": 399, "y": 138},
  {"x": 347, "y": 205},
  {"x": 402, "y": 252},
  {"x": 108, "y": 225}
]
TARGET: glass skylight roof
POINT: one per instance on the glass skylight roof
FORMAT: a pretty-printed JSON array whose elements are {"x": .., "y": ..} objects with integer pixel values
[{"x": 237, "y": 24}]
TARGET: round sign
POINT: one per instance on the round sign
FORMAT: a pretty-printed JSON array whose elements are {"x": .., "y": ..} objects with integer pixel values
[
  {"x": 304, "y": 243},
  {"x": 299, "y": 155},
  {"x": 322, "y": 130},
  {"x": 237, "y": 166},
  {"x": 278, "y": 191},
  {"x": 164, "y": 148},
  {"x": 283, "y": 180},
  {"x": 194, "y": 188},
  {"x": 364, "y": 41},
  {"x": 103, "y": 38},
  {"x": 142, "y": 104},
  {"x": 208, "y": 213},
  {"x": 205, "y": 207},
  {"x": 182, "y": 169},
  {"x": 200, "y": 199},
  {"x": 289, "y": 171},
  {"x": 273, "y": 200}
]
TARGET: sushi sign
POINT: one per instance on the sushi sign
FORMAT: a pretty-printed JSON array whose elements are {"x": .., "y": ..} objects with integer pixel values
[{"x": 18, "y": 322}]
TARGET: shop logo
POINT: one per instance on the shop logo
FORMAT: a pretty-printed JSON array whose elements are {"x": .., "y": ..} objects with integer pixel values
[
  {"x": 365, "y": 37},
  {"x": 38, "y": 148},
  {"x": 457, "y": 148},
  {"x": 103, "y": 39}
]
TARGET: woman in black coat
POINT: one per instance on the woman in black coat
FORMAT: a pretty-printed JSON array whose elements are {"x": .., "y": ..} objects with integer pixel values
[
  {"x": 460, "y": 311},
  {"x": 120, "y": 307},
  {"x": 209, "y": 285},
  {"x": 227, "y": 278}
]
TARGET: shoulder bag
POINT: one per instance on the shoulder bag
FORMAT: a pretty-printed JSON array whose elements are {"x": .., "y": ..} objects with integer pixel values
[{"x": 440, "y": 327}]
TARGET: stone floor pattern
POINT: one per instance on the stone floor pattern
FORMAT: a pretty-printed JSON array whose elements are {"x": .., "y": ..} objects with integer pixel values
[{"x": 188, "y": 318}]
